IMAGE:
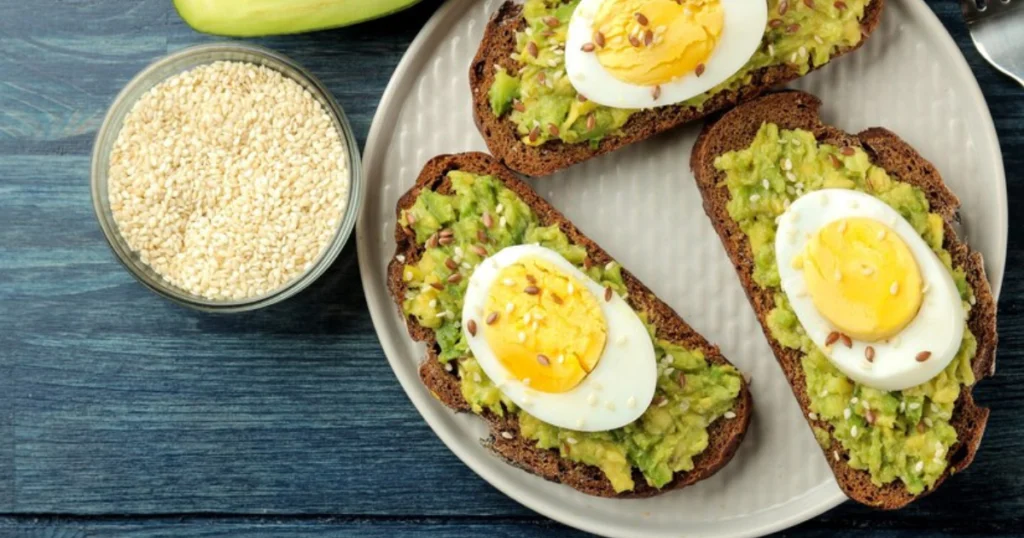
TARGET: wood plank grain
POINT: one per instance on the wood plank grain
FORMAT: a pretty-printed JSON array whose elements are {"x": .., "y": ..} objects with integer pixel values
[{"x": 113, "y": 401}]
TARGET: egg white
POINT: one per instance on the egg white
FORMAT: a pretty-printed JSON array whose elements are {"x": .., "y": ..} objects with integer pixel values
[
  {"x": 745, "y": 22},
  {"x": 938, "y": 326},
  {"x": 615, "y": 393}
]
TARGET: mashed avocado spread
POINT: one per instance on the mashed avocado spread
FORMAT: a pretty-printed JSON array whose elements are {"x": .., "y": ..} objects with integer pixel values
[
  {"x": 901, "y": 435},
  {"x": 545, "y": 106},
  {"x": 690, "y": 393}
]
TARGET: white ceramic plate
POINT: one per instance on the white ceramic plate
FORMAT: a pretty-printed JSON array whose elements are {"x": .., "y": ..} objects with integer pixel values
[{"x": 909, "y": 77}]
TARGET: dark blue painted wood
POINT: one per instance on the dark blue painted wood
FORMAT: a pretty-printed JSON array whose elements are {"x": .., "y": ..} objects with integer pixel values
[{"x": 121, "y": 414}]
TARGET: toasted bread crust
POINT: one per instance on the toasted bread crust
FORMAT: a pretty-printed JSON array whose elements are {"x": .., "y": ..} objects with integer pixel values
[
  {"x": 797, "y": 110},
  {"x": 496, "y": 48},
  {"x": 725, "y": 434}
]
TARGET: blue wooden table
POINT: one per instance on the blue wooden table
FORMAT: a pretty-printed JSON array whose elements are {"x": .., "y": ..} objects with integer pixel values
[{"x": 122, "y": 414}]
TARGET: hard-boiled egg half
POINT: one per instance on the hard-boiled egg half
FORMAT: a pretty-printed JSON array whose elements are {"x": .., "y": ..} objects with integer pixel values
[
  {"x": 649, "y": 53},
  {"x": 867, "y": 289},
  {"x": 569, "y": 352}
]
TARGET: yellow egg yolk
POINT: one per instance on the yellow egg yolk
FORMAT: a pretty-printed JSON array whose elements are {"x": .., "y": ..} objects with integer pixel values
[
  {"x": 543, "y": 325},
  {"x": 652, "y": 42},
  {"x": 862, "y": 278}
]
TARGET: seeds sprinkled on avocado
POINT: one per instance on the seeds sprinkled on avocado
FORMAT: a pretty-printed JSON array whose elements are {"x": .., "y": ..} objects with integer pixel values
[
  {"x": 793, "y": 28},
  {"x": 591, "y": 121},
  {"x": 847, "y": 413},
  {"x": 919, "y": 467},
  {"x": 923, "y": 356},
  {"x": 775, "y": 23},
  {"x": 534, "y": 134},
  {"x": 455, "y": 278},
  {"x": 450, "y": 264},
  {"x": 478, "y": 250},
  {"x": 572, "y": 440},
  {"x": 553, "y": 22},
  {"x": 848, "y": 151},
  {"x": 783, "y": 7},
  {"x": 446, "y": 240},
  {"x": 854, "y": 431},
  {"x": 531, "y": 48}
]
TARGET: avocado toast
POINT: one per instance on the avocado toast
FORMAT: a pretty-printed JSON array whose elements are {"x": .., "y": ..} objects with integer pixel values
[
  {"x": 886, "y": 449},
  {"x": 695, "y": 384},
  {"x": 554, "y": 128}
]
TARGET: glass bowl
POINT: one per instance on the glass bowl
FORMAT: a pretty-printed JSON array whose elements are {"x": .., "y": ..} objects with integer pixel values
[{"x": 182, "y": 61}]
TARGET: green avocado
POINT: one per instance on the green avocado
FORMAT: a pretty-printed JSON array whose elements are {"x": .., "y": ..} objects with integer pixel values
[
  {"x": 251, "y": 18},
  {"x": 549, "y": 108},
  {"x": 909, "y": 433},
  {"x": 660, "y": 443}
]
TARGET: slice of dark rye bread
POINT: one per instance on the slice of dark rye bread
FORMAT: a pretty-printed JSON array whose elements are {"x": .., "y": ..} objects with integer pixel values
[
  {"x": 505, "y": 441},
  {"x": 496, "y": 48},
  {"x": 797, "y": 110}
]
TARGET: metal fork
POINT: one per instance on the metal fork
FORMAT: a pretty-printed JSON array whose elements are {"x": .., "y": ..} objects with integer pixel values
[{"x": 997, "y": 28}]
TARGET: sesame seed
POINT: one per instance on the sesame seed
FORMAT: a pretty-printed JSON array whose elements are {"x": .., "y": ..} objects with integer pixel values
[
  {"x": 592, "y": 398},
  {"x": 609, "y": 405},
  {"x": 928, "y": 422},
  {"x": 570, "y": 288},
  {"x": 433, "y": 303},
  {"x": 838, "y": 275},
  {"x": 477, "y": 378},
  {"x": 526, "y": 381},
  {"x": 919, "y": 467},
  {"x": 754, "y": 198},
  {"x": 572, "y": 440},
  {"x": 765, "y": 184},
  {"x": 661, "y": 401},
  {"x": 521, "y": 336},
  {"x": 506, "y": 435},
  {"x": 729, "y": 415},
  {"x": 509, "y": 308},
  {"x": 812, "y": 416},
  {"x": 621, "y": 340},
  {"x": 925, "y": 288},
  {"x": 854, "y": 431},
  {"x": 631, "y": 402},
  {"x": 787, "y": 165},
  {"x": 448, "y": 367},
  {"x": 527, "y": 318},
  {"x": 854, "y": 400},
  {"x": 791, "y": 176},
  {"x": 913, "y": 405},
  {"x": 894, "y": 288},
  {"x": 867, "y": 270},
  {"x": 509, "y": 282},
  {"x": 835, "y": 455},
  {"x": 400, "y": 258},
  {"x": 502, "y": 222},
  {"x": 847, "y": 413}
]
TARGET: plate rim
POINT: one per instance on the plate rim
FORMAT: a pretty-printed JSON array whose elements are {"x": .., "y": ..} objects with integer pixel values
[{"x": 435, "y": 415}]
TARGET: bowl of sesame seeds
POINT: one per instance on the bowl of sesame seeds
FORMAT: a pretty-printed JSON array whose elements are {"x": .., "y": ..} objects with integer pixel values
[{"x": 226, "y": 178}]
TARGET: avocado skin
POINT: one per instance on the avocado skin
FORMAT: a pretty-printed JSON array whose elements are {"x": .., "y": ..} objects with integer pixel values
[{"x": 253, "y": 18}]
